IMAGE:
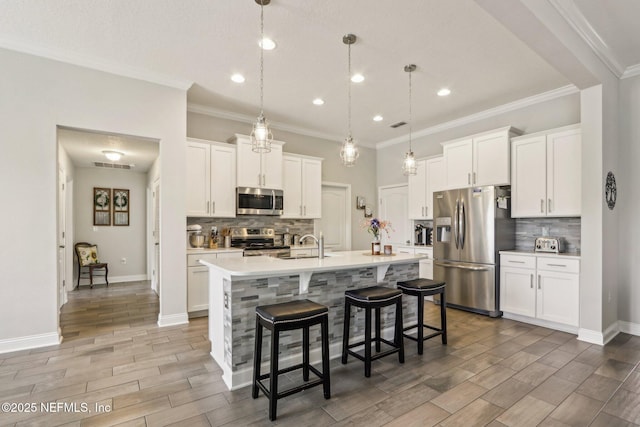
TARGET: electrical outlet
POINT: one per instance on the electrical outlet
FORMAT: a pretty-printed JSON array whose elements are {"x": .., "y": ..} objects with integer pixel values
[{"x": 123, "y": 260}]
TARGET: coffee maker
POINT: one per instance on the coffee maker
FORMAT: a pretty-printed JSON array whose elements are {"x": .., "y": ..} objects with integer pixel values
[{"x": 423, "y": 235}]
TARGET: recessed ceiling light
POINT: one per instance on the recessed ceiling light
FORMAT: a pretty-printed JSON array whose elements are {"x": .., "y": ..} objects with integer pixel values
[
  {"x": 377, "y": 118},
  {"x": 238, "y": 78},
  {"x": 318, "y": 101},
  {"x": 357, "y": 78},
  {"x": 267, "y": 44},
  {"x": 444, "y": 92},
  {"x": 114, "y": 156}
]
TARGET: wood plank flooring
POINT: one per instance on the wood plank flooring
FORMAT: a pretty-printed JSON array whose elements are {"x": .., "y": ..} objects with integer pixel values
[{"x": 117, "y": 367}]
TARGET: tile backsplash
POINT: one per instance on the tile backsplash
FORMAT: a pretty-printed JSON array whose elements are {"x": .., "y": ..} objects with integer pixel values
[
  {"x": 280, "y": 225},
  {"x": 527, "y": 229}
]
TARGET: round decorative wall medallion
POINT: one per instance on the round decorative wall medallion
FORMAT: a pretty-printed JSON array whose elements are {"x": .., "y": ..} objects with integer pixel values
[{"x": 610, "y": 191}]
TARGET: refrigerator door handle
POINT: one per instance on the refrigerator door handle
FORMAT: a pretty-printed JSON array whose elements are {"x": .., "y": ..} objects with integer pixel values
[
  {"x": 463, "y": 224},
  {"x": 455, "y": 223},
  {"x": 462, "y": 266}
]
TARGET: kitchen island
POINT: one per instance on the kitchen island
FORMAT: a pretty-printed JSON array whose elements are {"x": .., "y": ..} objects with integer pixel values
[{"x": 238, "y": 285}]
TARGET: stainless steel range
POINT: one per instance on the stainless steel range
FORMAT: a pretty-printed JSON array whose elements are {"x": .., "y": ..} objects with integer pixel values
[{"x": 257, "y": 241}]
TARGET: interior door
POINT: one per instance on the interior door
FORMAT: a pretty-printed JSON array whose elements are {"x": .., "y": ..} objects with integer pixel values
[
  {"x": 336, "y": 218},
  {"x": 394, "y": 207}
]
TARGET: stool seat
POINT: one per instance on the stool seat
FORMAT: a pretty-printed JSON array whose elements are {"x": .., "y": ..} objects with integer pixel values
[
  {"x": 291, "y": 311},
  {"x": 421, "y": 288},
  {"x": 373, "y": 293},
  {"x": 421, "y": 285}
]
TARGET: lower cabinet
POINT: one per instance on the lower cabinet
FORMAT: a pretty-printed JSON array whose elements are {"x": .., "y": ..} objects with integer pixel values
[
  {"x": 425, "y": 266},
  {"x": 198, "y": 280},
  {"x": 544, "y": 287}
]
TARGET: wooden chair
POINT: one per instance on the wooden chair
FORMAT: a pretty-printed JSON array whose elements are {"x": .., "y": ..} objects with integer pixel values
[{"x": 88, "y": 261}]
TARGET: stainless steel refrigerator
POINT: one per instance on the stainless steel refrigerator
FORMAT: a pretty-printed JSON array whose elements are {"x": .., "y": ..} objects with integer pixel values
[{"x": 470, "y": 226}]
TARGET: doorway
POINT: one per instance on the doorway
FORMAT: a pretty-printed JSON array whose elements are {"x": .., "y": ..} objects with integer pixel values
[
  {"x": 394, "y": 207},
  {"x": 335, "y": 223}
]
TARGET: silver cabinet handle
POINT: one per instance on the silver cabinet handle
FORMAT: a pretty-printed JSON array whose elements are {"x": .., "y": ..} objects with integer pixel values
[
  {"x": 469, "y": 178},
  {"x": 541, "y": 205},
  {"x": 300, "y": 209},
  {"x": 213, "y": 207},
  {"x": 259, "y": 180},
  {"x": 549, "y": 206},
  {"x": 426, "y": 210},
  {"x": 422, "y": 210},
  {"x": 516, "y": 262},
  {"x": 539, "y": 287},
  {"x": 531, "y": 281},
  {"x": 264, "y": 179},
  {"x": 557, "y": 265},
  {"x": 474, "y": 177},
  {"x": 305, "y": 210},
  {"x": 207, "y": 206}
]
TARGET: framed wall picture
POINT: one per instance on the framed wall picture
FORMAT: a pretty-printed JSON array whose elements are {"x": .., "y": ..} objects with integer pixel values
[
  {"x": 120, "y": 206},
  {"x": 101, "y": 206},
  {"x": 360, "y": 202}
]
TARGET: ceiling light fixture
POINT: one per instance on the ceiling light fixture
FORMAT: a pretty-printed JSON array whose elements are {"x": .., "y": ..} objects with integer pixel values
[
  {"x": 114, "y": 156},
  {"x": 357, "y": 78},
  {"x": 377, "y": 118},
  {"x": 261, "y": 136},
  {"x": 318, "y": 101},
  {"x": 409, "y": 164},
  {"x": 238, "y": 78},
  {"x": 349, "y": 153},
  {"x": 266, "y": 43},
  {"x": 444, "y": 92}
]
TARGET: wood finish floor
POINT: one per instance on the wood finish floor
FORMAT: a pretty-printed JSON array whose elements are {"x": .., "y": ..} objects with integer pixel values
[{"x": 127, "y": 371}]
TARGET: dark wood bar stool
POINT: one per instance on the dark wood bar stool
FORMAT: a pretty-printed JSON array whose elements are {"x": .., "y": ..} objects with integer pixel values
[
  {"x": 299, "y": 314},
  {"x": 422, "y": 288},
  {"x": 374, "y": 297}
]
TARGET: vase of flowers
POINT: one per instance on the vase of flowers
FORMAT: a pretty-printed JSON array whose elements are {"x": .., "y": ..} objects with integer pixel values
[{"x": 375, "y": 227}]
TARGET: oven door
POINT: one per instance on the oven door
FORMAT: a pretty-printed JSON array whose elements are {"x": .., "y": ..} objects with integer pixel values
[{"x": 259, "y": 201}]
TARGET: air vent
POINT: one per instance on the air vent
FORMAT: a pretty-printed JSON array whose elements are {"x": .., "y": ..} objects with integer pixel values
[
  {"x": 111, "y": 165},
  {"x": 397, "y": 125}
]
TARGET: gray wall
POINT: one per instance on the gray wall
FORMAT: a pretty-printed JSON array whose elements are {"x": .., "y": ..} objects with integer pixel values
[{"x": 362, "y": 176}]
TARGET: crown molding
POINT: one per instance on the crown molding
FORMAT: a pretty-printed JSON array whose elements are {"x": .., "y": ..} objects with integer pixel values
[
  {"x": 570, "y": 12},
  {"x": 492, "y": 112},
  {"x": 243, "y": 118},
  {"x": 93, "y": 63},
  {"x": 631, "y": 71}
]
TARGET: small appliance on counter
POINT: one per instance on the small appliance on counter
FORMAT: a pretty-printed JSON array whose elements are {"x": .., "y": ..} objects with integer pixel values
[
  {"x": 195, "y": 238},
  {"x": 549, "y": 245},
  {"x": 423, "y": 235}
]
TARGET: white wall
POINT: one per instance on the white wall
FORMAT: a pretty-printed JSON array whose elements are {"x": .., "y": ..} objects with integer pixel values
[
  {"x": 114, "y": 242},
  {"x": 362, "y": 176},
  {"x": 38, "y": 95}
]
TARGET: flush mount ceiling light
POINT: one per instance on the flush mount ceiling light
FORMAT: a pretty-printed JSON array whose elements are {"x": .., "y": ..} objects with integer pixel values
[
  {"x": 318, "y": 101},
  {"x": 266, "y": 43},
  {"x": 357, "y": 78},
  {"x": 349, "y": 153},
  {"x": 238, "y": 78},
  {"x": 261, "y": 136},
  {"x": 444, "y": 92},
  {"x": 377, "y": 118},
  {"x": 114, "y": 156},
  {"x": 409, "y": 164}
]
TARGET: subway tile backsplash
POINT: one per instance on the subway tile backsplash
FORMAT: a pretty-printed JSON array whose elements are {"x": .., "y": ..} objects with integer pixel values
[
  {"x": 527, "y": 229},
  {"x": 280, "y": 225}
]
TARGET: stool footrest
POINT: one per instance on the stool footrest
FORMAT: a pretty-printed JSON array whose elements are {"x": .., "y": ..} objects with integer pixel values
[
  {"x": 292, "y": 390},
  {"x": 374, "y": 356},
  {"x": 433, "y": 328}
]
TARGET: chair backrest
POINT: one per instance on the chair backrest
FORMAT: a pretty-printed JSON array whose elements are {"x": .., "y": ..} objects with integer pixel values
[{"x": 77, "y": 248}]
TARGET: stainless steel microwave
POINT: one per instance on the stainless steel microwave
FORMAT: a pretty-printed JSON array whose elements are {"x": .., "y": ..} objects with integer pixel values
[{"x": 258, "y": 201}]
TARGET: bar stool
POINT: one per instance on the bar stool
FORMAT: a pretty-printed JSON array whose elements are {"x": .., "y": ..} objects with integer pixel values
[
  {"x": 299, "y": 314},
  {"x": 374, "y": 297},
  {"x": 422, "y": 288}
]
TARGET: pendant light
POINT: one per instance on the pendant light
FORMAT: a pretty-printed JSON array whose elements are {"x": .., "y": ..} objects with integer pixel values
[
  {"x": 409, "y": 164},
  {"x": 349, "y": 153},
  {"x": 261, "y": 136}
]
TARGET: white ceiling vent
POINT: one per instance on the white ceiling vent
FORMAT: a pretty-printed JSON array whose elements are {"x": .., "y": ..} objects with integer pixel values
[
  {"x": 397, "y": 125},
  {"x": 111, "y": 165}
]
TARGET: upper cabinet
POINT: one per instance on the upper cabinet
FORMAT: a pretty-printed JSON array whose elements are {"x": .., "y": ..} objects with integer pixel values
[
  {"x": 263, "y": 170},
  {"x": 546, "y": 173},
  {"x": 429, "y": 177},
  {"x": 478, "y": 160},
  {"x": 211, "y": 172},
  {"x": 302, "y": 186}
]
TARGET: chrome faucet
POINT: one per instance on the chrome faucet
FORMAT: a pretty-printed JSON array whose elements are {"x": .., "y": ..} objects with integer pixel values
[{"x": 319, "y": 241}]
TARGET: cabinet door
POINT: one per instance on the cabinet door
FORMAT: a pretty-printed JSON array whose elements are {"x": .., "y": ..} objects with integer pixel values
[
  {"x": 458, "y": 159},
  {"x": 292, "y": 186},
  {"x": 517, "y": 291},
  {"x": 491, "y": 161},
  {"x": 564, "y": 195},
  {"x": 197, "y": 288},
  {"x": 311, "y": 188},
  {"x": 223, "y": 182},
  {"x": 272, "y": 167},
  {"x": 435, "y": 182},
  {"x": 417, "y": 191},
  {"x": 528, "y": 177},
  {"x": 558, "y": 297},
  {"x": 248, "y": 165},
  {"x": 425, "y": 269},
  {"x": 198, "y": 179}
]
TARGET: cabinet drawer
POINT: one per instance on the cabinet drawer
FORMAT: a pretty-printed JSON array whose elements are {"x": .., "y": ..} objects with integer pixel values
[
  {"x": 518, "y": 261},
  {"x": 424, "y": 251},
  {"x": 192, "y": 260},
  {"x": 559, "y": 264}
]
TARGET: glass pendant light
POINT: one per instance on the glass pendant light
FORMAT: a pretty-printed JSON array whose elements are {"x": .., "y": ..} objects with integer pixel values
[
  {"x": 409, "y": 164},
  {"x": 261, "y": 136},
  {"x": 349, "y": 153}
]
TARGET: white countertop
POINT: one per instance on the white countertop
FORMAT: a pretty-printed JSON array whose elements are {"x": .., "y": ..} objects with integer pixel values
[
  {"x": 567, "y": 255},
  {"x": 263, "y": 266},
  {"x": 193, "y": 251}
]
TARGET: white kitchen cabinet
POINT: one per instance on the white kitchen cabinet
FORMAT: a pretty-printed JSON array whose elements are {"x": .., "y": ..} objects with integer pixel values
[
  {"x": 210, "y": 179},
  {"x": 198, "y": 279},
  {"x": 541, "y": 287},
  {"x": 429, "y": 177},
  {"x": 262, "y": 170},
  {"x": 481, "y": 159},
  {"x": 425, "y": 266},
  {"x": 302, "y": 185},
  {"x": 546, "y": 174}
]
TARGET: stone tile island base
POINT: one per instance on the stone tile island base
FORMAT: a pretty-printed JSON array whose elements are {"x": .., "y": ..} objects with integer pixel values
[{"x": 232, "y": 303}]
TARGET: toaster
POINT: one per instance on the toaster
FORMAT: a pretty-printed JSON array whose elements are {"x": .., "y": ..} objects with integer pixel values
[{"x": 548, "y": 244}]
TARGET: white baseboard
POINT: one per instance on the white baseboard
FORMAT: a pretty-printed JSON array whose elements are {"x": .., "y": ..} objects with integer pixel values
[
  {"x": 173, "y": 319},
  {"x": 629, "y": 328},
  {"x": 28, "y": 342},
  {"x": 544, "y": 323},
  {"x": 131, "y": 278},
  {"x": 599, "y": 338}
]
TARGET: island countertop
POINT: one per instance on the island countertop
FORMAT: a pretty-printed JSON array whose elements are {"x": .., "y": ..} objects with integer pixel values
[{"x": 263, "y": 266}]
